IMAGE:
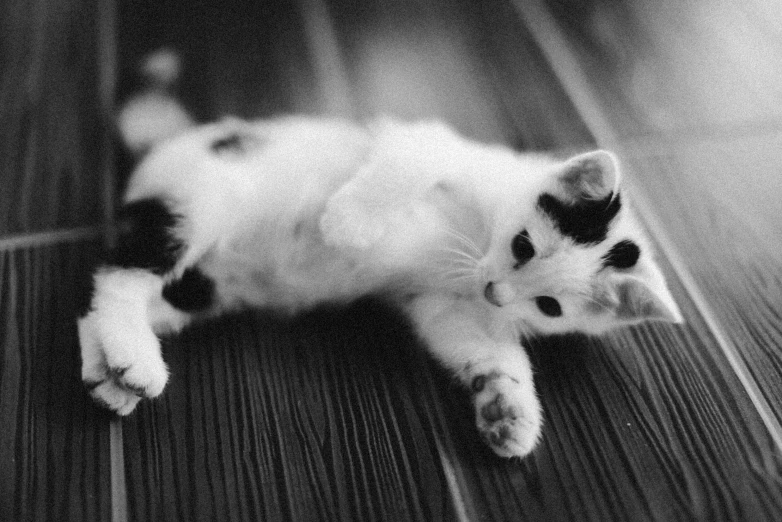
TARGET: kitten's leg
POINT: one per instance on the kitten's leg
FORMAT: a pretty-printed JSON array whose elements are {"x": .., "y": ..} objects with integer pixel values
[
  {"x": 191, "y": 296},
  {"x": 121, "y": 357},
  {"x": 498, "y": 373}
]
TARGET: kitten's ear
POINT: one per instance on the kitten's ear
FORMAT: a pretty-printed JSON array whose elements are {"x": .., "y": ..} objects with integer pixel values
[
  {"x": 592, "y": 175},
  {"x": 634, "y": 300}
]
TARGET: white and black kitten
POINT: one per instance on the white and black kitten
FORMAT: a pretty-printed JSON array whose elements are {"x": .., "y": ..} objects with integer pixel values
[{"x": 478, "y": 244}]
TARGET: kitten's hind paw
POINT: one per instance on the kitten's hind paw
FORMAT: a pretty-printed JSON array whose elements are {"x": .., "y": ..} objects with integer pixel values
[
  {"x": 121, "y": 389},
  {"x": 507, "y": 414},
  {"x": 117, "y": 373},
  {"x": 113, "y": 397}
]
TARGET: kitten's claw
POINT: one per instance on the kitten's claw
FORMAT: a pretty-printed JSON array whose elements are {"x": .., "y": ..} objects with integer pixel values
[
  {"x": 120, "y": 389},
  {"x": 508, "y": 415},
  {"x": 114, "y": 397}
]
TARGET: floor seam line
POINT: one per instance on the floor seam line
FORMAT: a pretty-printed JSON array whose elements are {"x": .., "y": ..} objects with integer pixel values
[{"x": 51, "y": 237}]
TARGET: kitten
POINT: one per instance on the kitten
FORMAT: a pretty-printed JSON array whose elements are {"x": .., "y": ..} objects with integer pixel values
[{"x": 479, "y": 245}]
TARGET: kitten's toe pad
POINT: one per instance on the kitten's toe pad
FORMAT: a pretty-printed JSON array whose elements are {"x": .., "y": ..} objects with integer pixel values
[
  {"x": 145, "y": 378},
  {"x": 120, "y": 389},
  {"x": 507, "y": 414},
  {"x": 114, "y": 397}
]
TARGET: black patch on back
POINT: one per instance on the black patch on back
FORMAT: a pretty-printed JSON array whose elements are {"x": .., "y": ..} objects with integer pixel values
[
  {"x": 585, "y": 221},
  {"x": 232, "y": 142},
  {"x": 624, "y": 254},
  {"x": 190, "y": 293},
  {"x": 145, "y": 239}
]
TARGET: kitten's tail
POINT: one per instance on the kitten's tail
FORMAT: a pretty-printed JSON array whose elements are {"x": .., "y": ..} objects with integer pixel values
[{"x": 155, "y": 113}]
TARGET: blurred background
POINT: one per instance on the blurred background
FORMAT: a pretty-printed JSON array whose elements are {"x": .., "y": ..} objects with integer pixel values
[{"x": 328, "y": 418}]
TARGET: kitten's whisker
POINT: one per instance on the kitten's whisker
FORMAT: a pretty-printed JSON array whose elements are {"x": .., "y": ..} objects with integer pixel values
[
  {"x": 459, "y": 270},
  {"x": 594, "y": 301},
  {"x": 466, "y": 241},
  {"x": 458, "y": 274},
  {"x": 465, "y": 255},
  {"x": 458, "y": 278}
]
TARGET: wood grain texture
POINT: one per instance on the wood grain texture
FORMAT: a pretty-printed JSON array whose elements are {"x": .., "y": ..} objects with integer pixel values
[
  {"x": 51, "y": 138},
  {"x": 699, "y": 68},
  {"x": 53, "y": 442},
  {"x": 264, "y": 419},
  {"x": 728, "y": 234}
]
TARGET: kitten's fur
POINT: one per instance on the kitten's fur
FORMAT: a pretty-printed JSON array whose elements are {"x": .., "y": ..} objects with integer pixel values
[{"x": 480, "y": 245}]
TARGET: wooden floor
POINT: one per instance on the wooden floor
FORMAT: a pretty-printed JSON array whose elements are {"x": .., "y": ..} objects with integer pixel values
[{"x": 339, "y": 414}]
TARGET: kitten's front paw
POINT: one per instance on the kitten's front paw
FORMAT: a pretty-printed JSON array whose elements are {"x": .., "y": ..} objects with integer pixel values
[
  {"x": 345, "y": 225},
  {"x": 507, "y": 413},
  {"x": 118, "y": 373}
]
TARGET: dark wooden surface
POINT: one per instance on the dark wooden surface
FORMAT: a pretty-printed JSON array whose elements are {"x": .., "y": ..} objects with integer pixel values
[
  {"x": 317, "y": 419},
  {"x": 340, "y": 415},
  {"x": 53, "y": 126},
  {"x": 54, "y": 444}
]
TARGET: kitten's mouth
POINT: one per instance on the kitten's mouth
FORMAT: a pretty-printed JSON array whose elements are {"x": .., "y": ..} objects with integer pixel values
[{"x": 490, "y": 293}]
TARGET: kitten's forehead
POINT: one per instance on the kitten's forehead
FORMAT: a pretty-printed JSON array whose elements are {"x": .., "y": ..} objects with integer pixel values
[{"x": 585, "y": 221}]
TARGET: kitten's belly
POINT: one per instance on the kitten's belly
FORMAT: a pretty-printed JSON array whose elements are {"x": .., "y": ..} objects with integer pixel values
[{"x": 292, "y": 275}]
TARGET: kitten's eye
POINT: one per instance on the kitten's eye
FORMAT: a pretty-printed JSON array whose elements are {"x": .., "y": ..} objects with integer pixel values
[
  {"x": 522, "y": 248},
  {"x": 548, "y": 305}
]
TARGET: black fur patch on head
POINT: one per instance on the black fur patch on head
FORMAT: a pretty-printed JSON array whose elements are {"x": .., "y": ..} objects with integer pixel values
[
  {"x": 192, "y": 292},
  {"x": 585, "y": 221},
  {"x": 146, "y": 239},
  {"x": 624, "y": 254}
]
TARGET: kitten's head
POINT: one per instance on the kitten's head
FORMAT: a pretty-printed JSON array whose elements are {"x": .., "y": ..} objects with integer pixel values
[{"x": 579, "y": 262}]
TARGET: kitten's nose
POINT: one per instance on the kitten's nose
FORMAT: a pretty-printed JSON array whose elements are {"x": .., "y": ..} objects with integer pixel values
[
  {"x": 488, "y": 293},
  {"x": 498, "y": 294}
]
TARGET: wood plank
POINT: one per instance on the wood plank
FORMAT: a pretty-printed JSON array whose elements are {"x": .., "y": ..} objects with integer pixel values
[
  {"x": 52, "y": 116},
  {"x": 54, "y": 444},
  {"x": 729, "y": 237},
  {"x": 268, "y": 419},
  {"x": 694, "y": 69}
]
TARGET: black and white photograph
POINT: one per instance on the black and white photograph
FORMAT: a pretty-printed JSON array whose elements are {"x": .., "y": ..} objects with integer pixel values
[{"x": 390, "y": 260}]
